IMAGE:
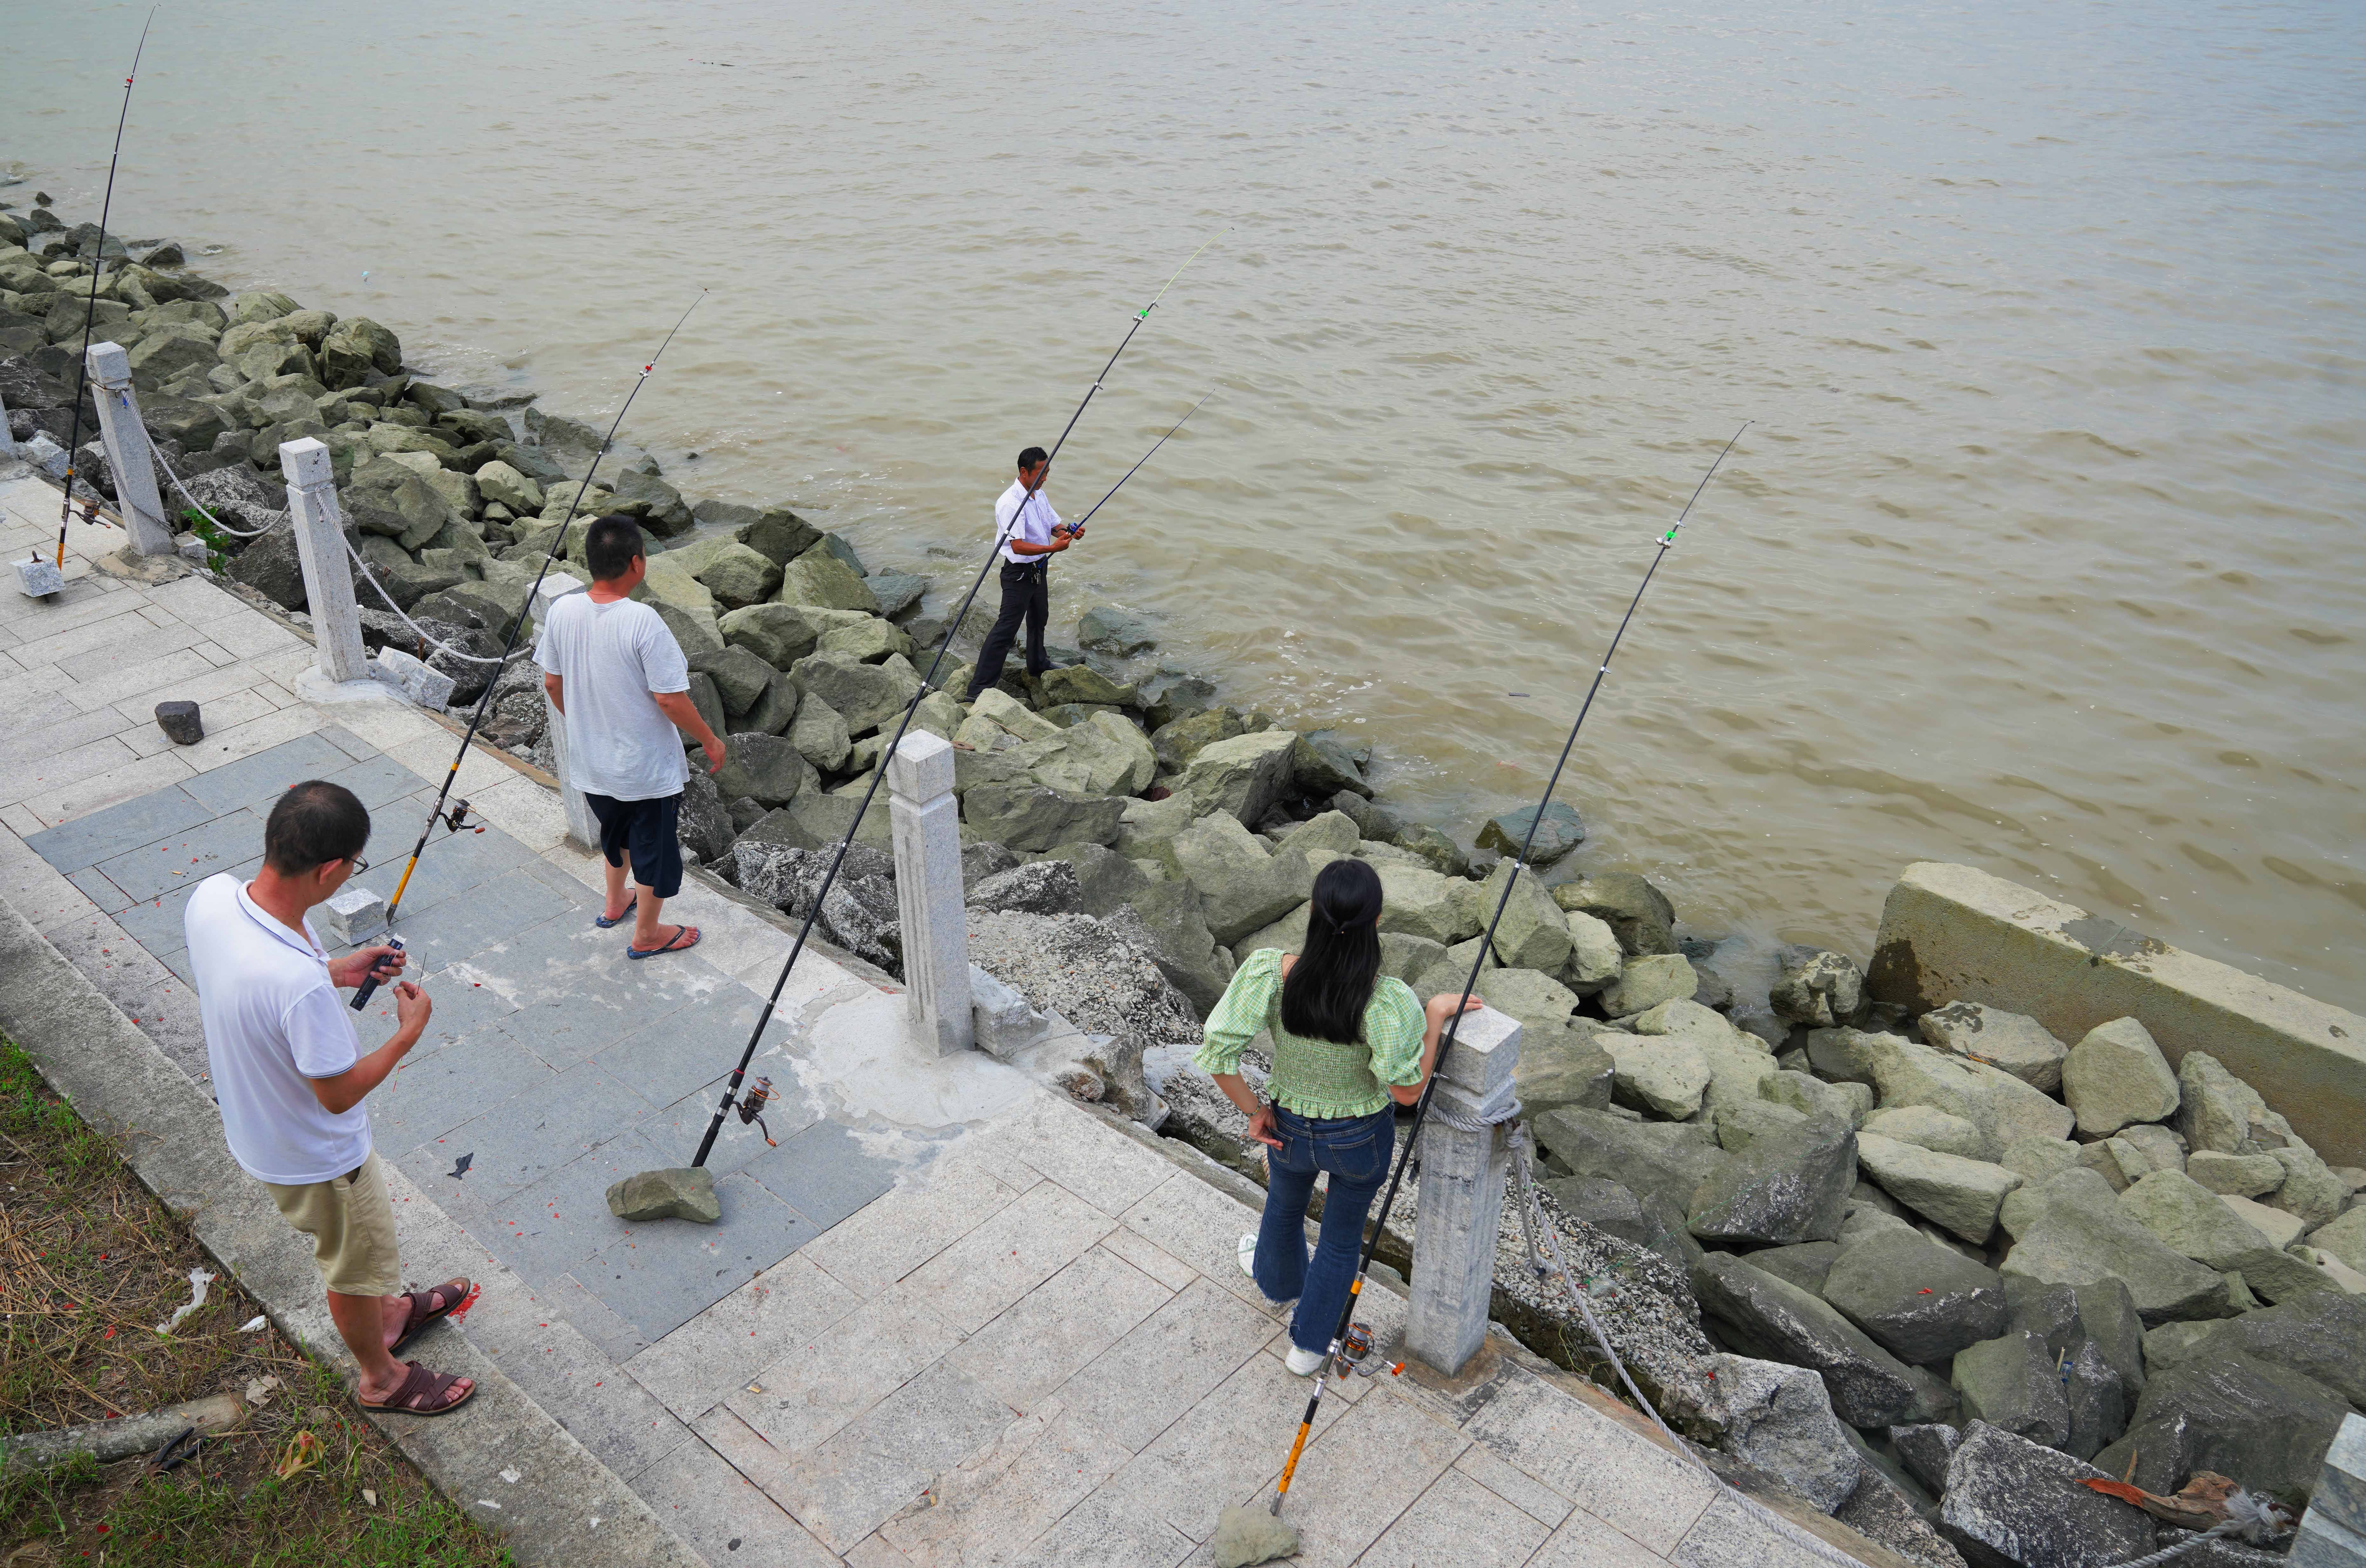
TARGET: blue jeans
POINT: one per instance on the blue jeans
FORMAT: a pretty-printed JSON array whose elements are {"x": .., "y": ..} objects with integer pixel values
[{"x": 1356, "y": 1150}]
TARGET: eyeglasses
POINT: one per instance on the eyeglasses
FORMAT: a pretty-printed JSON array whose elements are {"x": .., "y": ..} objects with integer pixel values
[{"x": 360, "y": 865}]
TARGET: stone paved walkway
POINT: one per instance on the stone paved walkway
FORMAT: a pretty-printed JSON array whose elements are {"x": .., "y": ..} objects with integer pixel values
[{"x": 950, "y": 1318}]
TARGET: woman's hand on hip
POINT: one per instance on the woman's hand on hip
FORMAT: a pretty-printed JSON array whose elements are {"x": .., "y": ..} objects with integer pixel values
[{"x": 1261, "y": 1126}]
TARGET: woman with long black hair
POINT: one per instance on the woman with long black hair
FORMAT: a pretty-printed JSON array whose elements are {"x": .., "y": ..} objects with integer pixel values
[{"x": 1350, "y": 1045}]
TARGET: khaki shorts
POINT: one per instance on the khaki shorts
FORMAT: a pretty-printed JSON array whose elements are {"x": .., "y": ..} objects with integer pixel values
[{"x": 351, "y": 1221}]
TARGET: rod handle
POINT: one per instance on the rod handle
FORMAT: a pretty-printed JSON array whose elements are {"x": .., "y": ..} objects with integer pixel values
[{"x": 368, "y": 987}]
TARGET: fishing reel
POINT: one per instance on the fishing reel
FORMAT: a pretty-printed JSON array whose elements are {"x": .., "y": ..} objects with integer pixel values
[
  {"x": 751, "y": 1108},
  {"x": 456, "y": 818},
  {"x": 1356, "y": 1354}
]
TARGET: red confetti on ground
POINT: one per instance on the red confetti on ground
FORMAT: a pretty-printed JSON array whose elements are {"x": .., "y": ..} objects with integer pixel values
[{"x": 459, "y": 1313}]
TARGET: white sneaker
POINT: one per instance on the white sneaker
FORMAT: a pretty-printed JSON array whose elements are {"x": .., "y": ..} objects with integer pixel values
[
  {"x": 1305, "y": 1364},
  {"x": 1247, "y": 1255}
]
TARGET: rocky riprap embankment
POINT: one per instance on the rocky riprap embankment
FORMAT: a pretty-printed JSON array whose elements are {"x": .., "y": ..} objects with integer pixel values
[{"x": 1922, "y": 1270}]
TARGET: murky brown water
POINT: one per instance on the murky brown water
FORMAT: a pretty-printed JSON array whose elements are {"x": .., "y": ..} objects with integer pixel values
[{"x": 2042, "y": 553}]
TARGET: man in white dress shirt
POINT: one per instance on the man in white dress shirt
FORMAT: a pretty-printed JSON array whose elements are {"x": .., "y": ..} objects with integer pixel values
[{"x": 1032, "y": 534}]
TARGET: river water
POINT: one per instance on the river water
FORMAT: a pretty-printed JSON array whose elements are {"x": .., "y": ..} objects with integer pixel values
[{"x": 2040, "y": 553}]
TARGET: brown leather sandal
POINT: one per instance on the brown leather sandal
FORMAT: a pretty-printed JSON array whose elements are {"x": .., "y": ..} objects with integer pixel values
[
  {"x": 423, "y": 1310},
  {"x": 423, "y": 1393}
]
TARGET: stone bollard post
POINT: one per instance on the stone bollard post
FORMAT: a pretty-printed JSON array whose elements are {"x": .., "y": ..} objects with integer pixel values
[
  {"x": 582, "y": 828},
  {"x": 2333, "y": 1531},
  {"x": 1461, "y": 1197},
  {"x": 7, "y": 438},
  {"x": 319, "y": 526},
  {"x": 127, "y": 456},
  {"x": 925, "y": 819}
]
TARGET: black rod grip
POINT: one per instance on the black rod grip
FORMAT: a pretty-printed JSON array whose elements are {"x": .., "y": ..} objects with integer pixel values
[{"x": 368, "y": 987}]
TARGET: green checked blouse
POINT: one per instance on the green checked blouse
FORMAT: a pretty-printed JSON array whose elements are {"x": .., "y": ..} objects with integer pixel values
[{"x": 1316, "y": 1078}]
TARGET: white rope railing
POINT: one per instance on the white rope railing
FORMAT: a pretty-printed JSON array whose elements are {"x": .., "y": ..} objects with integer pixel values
[{"x": 360, "y": 564}]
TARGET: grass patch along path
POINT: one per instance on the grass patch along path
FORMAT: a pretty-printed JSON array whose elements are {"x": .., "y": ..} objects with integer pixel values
[{"x": 90, "y": 1264}]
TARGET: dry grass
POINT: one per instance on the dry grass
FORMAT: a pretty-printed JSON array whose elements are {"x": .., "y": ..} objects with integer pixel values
[{"x": 89, "y": 1266}]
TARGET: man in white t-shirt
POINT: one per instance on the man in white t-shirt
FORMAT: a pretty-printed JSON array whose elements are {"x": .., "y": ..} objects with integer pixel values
[
  {"x": 621, "y": 685},
  {"x": 1032, "y": 534},
  {"x": 291, "y": 1076}
]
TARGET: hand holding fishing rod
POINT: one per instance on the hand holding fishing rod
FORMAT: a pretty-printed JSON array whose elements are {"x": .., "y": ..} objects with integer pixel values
[
  {"x": 928, "y": 683},
  {"x": 90, "y": 311},
  {"x": 1333, "y": 1358},
  {"x": 558, "y": 542}
]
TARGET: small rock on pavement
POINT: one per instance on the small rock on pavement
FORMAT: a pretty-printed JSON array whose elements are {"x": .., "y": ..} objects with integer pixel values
[
  {"x": 683, "y": 1193},
  {"x": 1560, "y": 831},
  {"x": 181, "y": 723},
  {"x": 1250, "y": 1535}
]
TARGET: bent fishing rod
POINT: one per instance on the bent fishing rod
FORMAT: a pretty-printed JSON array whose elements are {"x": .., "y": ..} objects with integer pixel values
[
  {"x": 928, "y": 683},
  {"x": 1454, "y": 1020},
  {"x": 757, "y": 1096},
  {"x": 484, "y": 701},
  {"x": 97, "y": 273}
]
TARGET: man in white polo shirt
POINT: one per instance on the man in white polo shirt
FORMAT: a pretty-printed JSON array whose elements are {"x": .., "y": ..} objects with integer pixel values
[
  {"x": 291, "y": 1076},
  {"x": 1032, "y": 534}
]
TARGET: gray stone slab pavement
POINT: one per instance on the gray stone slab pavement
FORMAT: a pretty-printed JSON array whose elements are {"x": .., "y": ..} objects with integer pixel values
[{"x": 948, "y": 1317}]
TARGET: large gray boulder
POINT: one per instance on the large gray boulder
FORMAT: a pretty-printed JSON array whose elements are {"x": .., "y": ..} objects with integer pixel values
[
  {"x": 1924, "y": 1449},
  {"x": 2265, "y": 1425},
  {"x": 1549, "y": 832},
  {"x": 1031, "y": 817},
  {"x": 865, "y": 696},
  {"x": 1663, "y": 1077},
  {"x": 2014, "y": 1041},
  {"x": 1039, "y": 887},
  {"x": 1807, "y": 1093},
  {"x": 740, "y": 678},
  {"x": 780, "y": 635},
  {"x": 1613, "y": 1208},
  {"x": 1927, "y": 1127},
  {"x": 2115, "y": 1076},
  {"x": 2310, "y": 1193},
  {"x": 1920, "y": 1300},
  {"x": 1106, "y": 754},
  {"x": 1764, "y": 1317},
  {"x": 1644, "y": 983},
  {"x": 1534, "y": 932},
  {"x": 1789, "y": 1186},
  {"x": 819, "y": 578},
  {"x": 2219, "y": 1110},
  {"x": 1420, "y": 902},
  {"x": 2194, "y": 1221},
  {"x": 703, "y": 823},
  {"x": 1165, "y": 920},
  {"x": 1904, "y": 1073},
  {"x": 1656, "y": 1159},
  {"x": 1807, "y": 1264},
  {"x": 1779, "y": 1418},
  {"x": 272, "y": 567},
  {"x": 819, "y": 732},
  {"x": 1247, "y": 775},
  {"x": 2095, "y": 1337},
  {"x": 1817, "y": 988},
  {"x": 2010, "y": 1383},
  {"x": 2011, "y": 1503},
  {"x": 2322, "y": 1336},
  {"x": 765, "y": 769},
  {"x": 1565, "y": 1065},
  {"x": 1244, "y": 886},
  {"x": 1637, "y": 912},
  {"x": 2070, "y": 1229},
  {"x": 1957, "y": 1194}
]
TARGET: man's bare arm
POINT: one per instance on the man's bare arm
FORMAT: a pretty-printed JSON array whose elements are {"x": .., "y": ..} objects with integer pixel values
[
  {"x": 677, "y": 706},
  {"x": 556, "y": 689}
]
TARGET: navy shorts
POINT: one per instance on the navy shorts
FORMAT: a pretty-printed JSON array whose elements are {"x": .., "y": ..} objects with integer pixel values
[{"x": 645, "y": 830}]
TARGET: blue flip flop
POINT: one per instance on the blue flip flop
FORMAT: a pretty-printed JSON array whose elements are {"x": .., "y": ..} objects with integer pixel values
[
  {"x": 604, "y": 922},
  {"x": 677, "y": 944}
]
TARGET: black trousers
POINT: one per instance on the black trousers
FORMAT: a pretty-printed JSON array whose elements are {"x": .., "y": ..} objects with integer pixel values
[{"x": 1026, "y": 596}]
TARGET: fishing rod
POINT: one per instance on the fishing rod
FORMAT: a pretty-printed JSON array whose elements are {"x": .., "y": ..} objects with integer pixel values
[
  {"x": 928, "y": 682},
  {"x": 97, "y": 272},
  {"x": 1454, "y": 1020},
  {"x": 484, "y": 701},
  {"x": 757, "y": 1096}
]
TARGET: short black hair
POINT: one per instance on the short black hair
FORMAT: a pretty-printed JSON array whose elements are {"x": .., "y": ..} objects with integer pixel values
[
  {"x": 610, "y": 545},
  {"x": 1032, "y": 456},
  {"x": 311, "y": 824}
]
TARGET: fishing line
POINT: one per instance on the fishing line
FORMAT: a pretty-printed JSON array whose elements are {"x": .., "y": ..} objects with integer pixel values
[
  {"x": 97, "y": 273},
  {"x": 484, "y": 701},
  {"x": 928, "y": 683},
  {"x": 1454, "y": 1020}
]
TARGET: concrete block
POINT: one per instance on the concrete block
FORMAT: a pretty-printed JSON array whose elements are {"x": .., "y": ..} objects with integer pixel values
[
  {"x": 926, "y": 822},
  {"x": 1956, "y": 933},
  {"x": 37, "y": 577},
  {"x": 354, "y": 915},
  {"x": 128, "y": 455},
  {"x": 1003, "y": 1021},
  {"x": 1461, "y": 1202},
  {"x": 428, "y": 688}
]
